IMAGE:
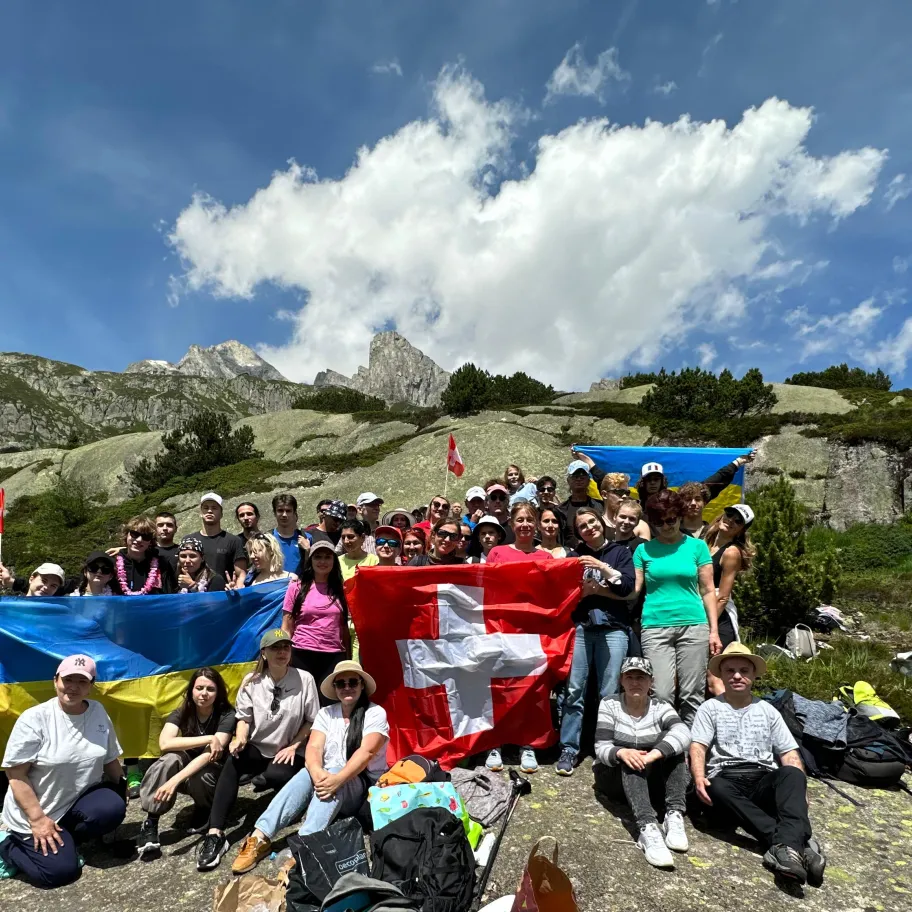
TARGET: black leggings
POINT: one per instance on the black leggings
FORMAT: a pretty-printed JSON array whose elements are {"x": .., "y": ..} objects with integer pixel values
[
  {"x": 249, "y": 761},
  {"x": 317, "y": 664}
]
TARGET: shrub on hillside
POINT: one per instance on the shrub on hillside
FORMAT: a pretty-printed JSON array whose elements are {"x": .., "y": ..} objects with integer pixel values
[
  {"x": 203, "y": 442},
  {"x": 698, "y": 395},
  {"x": 472, "y": 389},
  {"x": 865, "y": 546},
  {"x": 841, "y": 376},
  {"x": 787, "y": 582},
  {"x": 339, "y": 400},
  {"x": 638, "y": 379}
]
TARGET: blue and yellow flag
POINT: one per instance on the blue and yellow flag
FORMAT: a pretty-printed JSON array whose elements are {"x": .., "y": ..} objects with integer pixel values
[
  {"x": 145, "y": 648},
  {"x": 680, "y": 464}
]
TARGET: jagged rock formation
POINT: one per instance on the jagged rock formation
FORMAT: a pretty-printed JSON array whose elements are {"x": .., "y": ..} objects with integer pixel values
[
  {"x": 396, "y": 372},
  {"x": 223, "y": 361},
  {"x": 606, "y": 383},
  {"x": 44, "y": 402}
]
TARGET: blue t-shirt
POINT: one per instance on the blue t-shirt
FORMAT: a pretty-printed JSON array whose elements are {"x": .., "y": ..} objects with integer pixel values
[{"x": 291, "y": 553}]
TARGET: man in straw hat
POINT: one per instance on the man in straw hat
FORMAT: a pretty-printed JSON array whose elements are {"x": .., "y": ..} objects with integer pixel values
[{"x": 743, "y": 737}]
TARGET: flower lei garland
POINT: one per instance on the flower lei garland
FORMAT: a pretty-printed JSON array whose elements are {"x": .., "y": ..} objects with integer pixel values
[
  {"x": 153, "y": 580},
  {"x": 201, "y": 585}
]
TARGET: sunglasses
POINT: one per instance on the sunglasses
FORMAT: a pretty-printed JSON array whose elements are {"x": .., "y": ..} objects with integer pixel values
[
  {"x": 260, "y": 536},
  {"x": 445, "y": 535},
  {"x": 499, "y": 495},
  {"x": 735, "y": 516},
  {"x": 621, "y": 492},
  {"x": 145, "y": 536},
  {"x": 389, "y": 542},
  {"x": 437, "y": 505},
  {"x": 99, "y": 568},
  {"x": 276, "y": 697},
  {"x": 668, "y": 520},
  {"x": 547, "y": 489},
  {"x": 346, "y": 683}
]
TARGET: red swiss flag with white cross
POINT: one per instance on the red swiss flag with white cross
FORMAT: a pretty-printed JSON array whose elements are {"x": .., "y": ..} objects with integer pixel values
[{"x": 465, "y": 657}]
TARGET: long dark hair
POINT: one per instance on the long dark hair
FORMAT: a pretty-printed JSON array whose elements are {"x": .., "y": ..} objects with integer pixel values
[
  {"x": 561, "y": 521},
  {"x": 356, "y": 723},
  {"x": 188, "y": 708},
  {"x": 334, "y": 585}
]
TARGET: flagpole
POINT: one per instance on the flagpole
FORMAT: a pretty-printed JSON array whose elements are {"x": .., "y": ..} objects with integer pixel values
[{"x": 446, "y": 469}]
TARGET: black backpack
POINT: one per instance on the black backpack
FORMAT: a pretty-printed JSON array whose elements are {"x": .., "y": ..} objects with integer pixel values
[
  {"x": 426, "y": 853},
  {"x": 320, "y": 860}
]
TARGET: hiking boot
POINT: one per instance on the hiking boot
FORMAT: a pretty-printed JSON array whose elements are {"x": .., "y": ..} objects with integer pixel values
[
  {"x": 814, "y": 862},
  {"x": 253, "y": 851},
  {"x": 210, "y": 851},
  {"x": 674, "y": 832},
  {"x": 494, "y": 762},
  {"x": 528, "y": 762},
  {"x": 653, "y": 846},
  {"x": 785, "y": 861},
  {"x": 566, "y": 763},
  {"x": 134, "y": 780},
  {"x": 147, "y": 842}
]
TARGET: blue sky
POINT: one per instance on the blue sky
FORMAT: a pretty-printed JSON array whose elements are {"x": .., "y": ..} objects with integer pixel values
[{"x": 113, "y": 115}]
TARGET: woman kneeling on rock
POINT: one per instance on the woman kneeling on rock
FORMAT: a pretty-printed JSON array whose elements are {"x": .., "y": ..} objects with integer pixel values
[
  {"x": 640, "y": 743},
  {"x": 348, "y": 739}
]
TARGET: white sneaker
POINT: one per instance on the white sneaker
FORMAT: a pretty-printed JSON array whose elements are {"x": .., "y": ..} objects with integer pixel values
[
  {"x": 653, "y": 845},
  {"x": 675, "y": 834},
  {"x": 528, "y": 762},
  {"x": 494, "y": 761}
]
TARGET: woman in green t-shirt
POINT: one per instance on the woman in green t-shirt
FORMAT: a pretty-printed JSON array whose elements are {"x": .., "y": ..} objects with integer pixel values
[{"x": 679, "y": 626}]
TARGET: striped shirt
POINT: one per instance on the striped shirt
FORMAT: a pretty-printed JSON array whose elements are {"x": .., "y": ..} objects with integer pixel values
[{"x": 660, "y": 728}]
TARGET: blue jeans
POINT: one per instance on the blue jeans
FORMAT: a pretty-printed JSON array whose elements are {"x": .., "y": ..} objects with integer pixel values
[
  {"x": 295, "y": 797},
  {"x": 604, "y": 648}
]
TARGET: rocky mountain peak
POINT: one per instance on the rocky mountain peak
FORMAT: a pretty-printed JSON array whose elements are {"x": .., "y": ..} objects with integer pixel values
[
  {"x": 223, "y": 362},
  {"x": 396, "y": 372}
]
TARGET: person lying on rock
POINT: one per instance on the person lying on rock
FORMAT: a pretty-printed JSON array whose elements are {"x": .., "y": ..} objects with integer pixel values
[{"x": 743, "y": 737}]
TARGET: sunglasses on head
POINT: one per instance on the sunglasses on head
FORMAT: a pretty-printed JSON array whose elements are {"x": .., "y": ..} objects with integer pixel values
[
  {"x": 260, "y": 536},
  {"x": 99, "y": 568},
  {"x": 346, "y": 683},
  {"x": 389, "y": 542},
  {"x": 144, "y": 536},
  {"x": 444, "y": 534},
  {"x": 498, "y": 495}
]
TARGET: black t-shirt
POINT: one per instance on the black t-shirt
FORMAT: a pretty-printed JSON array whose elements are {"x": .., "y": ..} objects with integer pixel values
[
  {"x": 224, "y": 724},
  {"x": 222, "y": 550},
  {"x": 138, "y": 573},
  {"x": 569, "y": 508},
  {"x": 169, "y": 553}
]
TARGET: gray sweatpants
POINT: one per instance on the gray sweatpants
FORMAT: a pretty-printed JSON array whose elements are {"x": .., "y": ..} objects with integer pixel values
[
  {"x": 200, "y": 787},
  {"x": 678, "y": 653}
]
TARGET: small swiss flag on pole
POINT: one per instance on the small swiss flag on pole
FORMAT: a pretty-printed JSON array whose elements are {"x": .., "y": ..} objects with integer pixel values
[{"x": 454, "y": 460}]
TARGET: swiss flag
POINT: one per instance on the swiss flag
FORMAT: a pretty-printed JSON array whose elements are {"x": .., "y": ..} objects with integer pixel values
[
  {"x": 465, "y": 656},
  {"x": 454, "y": 460}
]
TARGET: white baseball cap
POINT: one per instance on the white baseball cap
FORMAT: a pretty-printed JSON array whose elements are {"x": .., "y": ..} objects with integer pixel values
[
  {"x": 652, "y": 468},
  {"x": 51, "y": 570},
  {"x": 211, "y": 496},
  {"x": 477, "y": 491},
  {"x": 744, "y": 511},
  {"x": 366, "y": 498}
]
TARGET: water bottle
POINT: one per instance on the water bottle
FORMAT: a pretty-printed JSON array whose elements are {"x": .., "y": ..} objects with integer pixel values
[{"x": 483, "y": 852}]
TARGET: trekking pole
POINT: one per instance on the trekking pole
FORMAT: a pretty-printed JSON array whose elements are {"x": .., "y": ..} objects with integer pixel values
[{"x": 519, "y": 786}]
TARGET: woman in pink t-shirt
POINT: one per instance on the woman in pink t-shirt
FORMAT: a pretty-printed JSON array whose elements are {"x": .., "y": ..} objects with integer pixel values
[
  {"x": 316, "y": 613},
  {"x": 524, "y": 520}
]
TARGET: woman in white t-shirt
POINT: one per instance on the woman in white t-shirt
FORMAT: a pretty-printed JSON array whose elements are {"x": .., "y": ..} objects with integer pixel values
[
  {"x": 65, "y": 779},
  {"x": 345, "y": 755}
]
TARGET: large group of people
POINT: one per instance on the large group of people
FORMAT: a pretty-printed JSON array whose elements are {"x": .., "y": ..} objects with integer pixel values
[{"x": 655, "y": 627}]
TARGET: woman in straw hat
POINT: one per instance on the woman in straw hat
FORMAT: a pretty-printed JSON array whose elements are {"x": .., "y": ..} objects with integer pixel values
[{"x": 348, "y": 739}]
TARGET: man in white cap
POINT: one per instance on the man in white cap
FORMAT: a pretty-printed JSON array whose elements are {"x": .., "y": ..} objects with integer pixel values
[
  {"x": 744, "y": 737},
  {"x": 46, "y": 580},
  {"x": 474, "y": 505},
  {"x": 578, "y": 478},
  {"x": 368, "y": 505},
  {"x": 225, "y": 553}
]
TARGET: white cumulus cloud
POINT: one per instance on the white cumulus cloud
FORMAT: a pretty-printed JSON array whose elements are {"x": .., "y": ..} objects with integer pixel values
[
  {"x": 707, "y": 353},
  {"x": 574, "y": 76},
  {"x": 387, "y": 67},
  {"x": 657, "y": 228},
  {"x": 837, "y": 331},
  {"x": 897, "y": 190},
  {"x": 892, "y": 353}
]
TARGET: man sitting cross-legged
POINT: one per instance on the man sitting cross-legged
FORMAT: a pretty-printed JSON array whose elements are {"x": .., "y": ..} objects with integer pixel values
[{"x": 743, "y": 736}]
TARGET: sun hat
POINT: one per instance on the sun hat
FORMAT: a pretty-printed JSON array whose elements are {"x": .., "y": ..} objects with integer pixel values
[
  {"x": 190, "y": 544},
  {"x": 211, "y": 496},
  {"x": 97, "y": 557},
  {"x": 387, "y": 517},
  {"x": 474, "y": 492},
  {"x": 368, "y": 497},
  {"x": 337, "y": 509},
  {"x": 50, "y": 570},
  {"x": 744, "y": 511},
  {"x": 578, "y": 466},
  {"x": 77, "y": 665},
  {"x": 737, "y": 651},
  {"x": 637, "y": 663},
  {"x": 276, "y": 635},
  {"x": 380, "y": 531},
  {"x": 327, "y": 689},
  {"x": 652, "y": 468},
  {"x": 489, "y": 521}
]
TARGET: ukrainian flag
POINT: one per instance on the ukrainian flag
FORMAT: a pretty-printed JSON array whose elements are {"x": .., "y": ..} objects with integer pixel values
[
  {"x": 680, "y": 464},
  {"x": 145, "y": 647}
]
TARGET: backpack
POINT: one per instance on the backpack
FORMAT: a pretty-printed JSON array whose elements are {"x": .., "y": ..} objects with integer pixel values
[
  {"x": 864, "y": 700},
  {"x": 413, "y": 768},
  {"x": 427, "y": 855},
  {"x": 366, "y": 894},
  {"x": 800, "y": 642},
  {"x": 320, "y": 860}
]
